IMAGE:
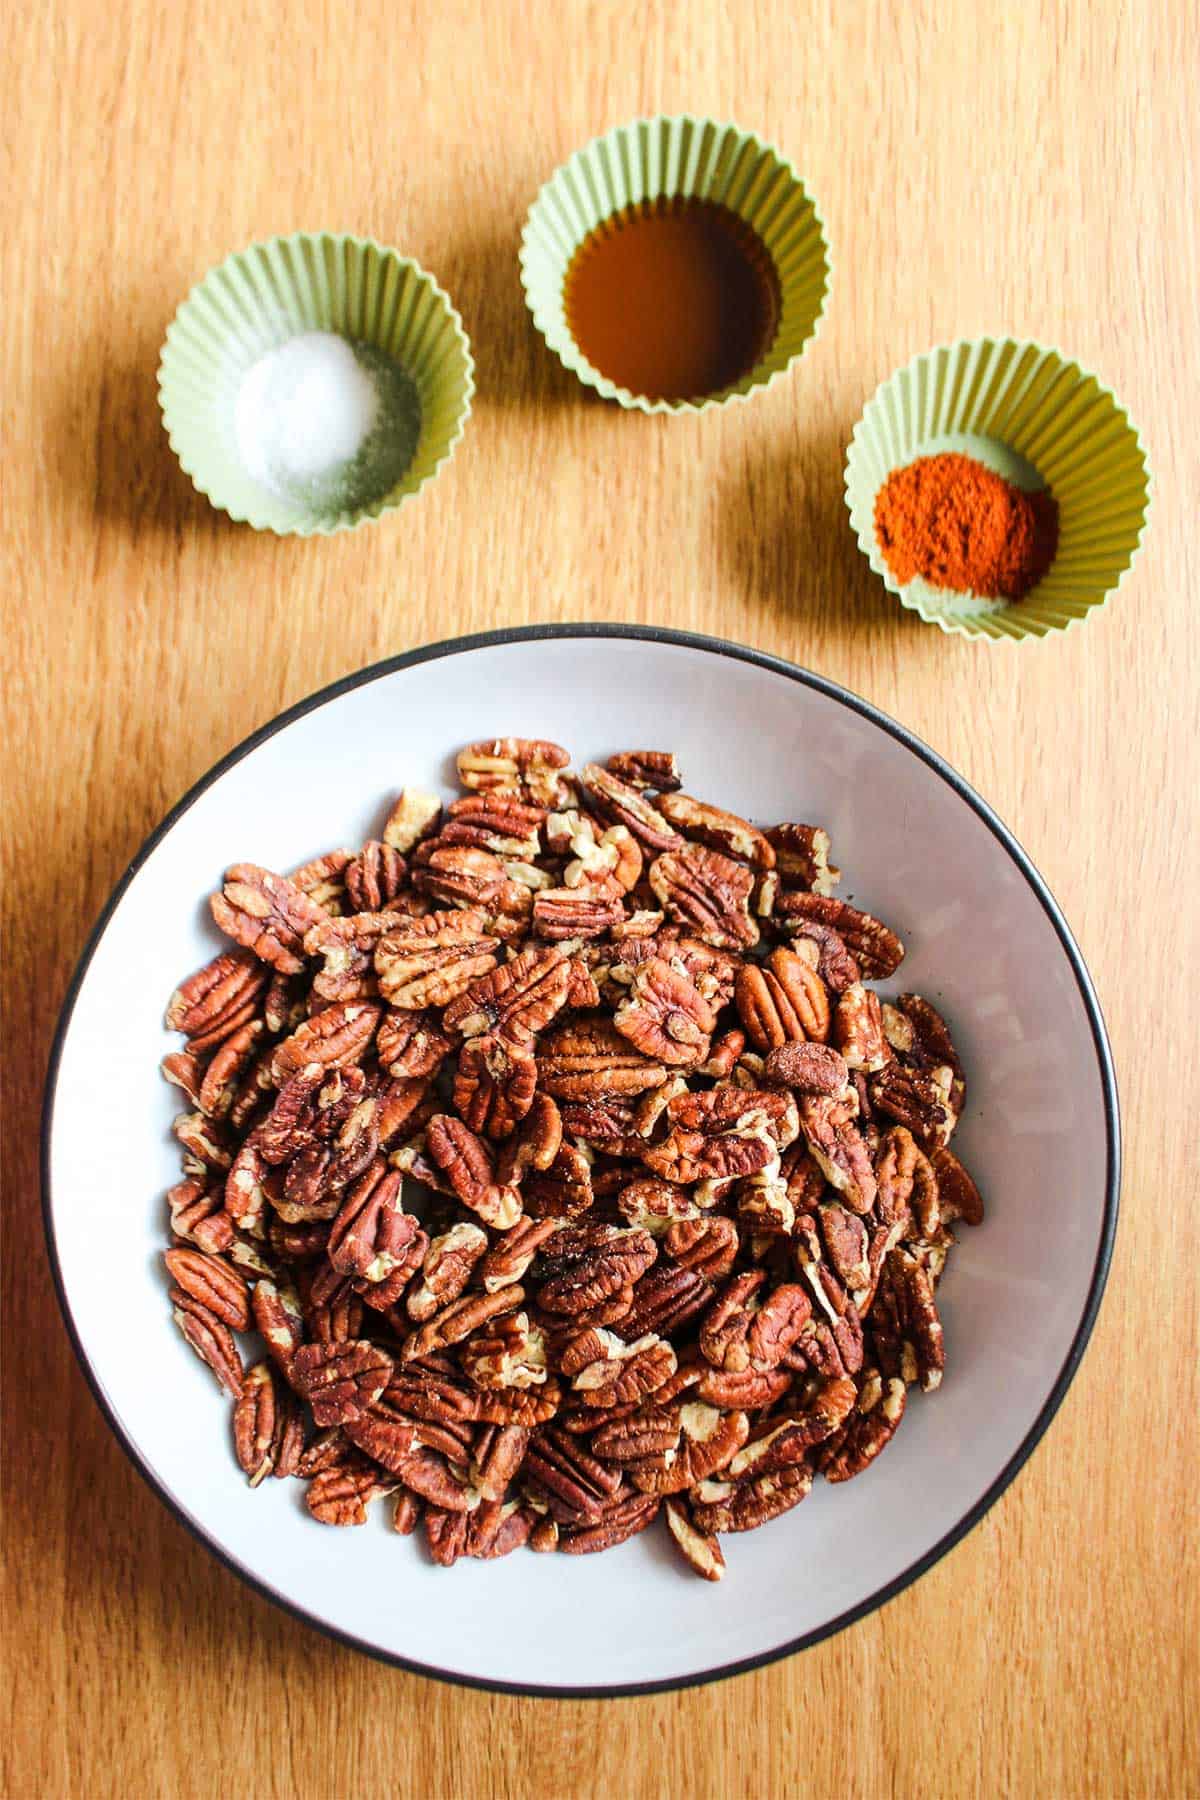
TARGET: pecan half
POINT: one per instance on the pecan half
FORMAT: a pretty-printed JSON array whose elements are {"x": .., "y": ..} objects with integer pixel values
[
  {"x": 870, "y": 1427},
  {"x": 707, "y": 1441},
  {"x": 278, "y": 1318},
  {"x": 576, "y": 1486},
  {"x": 342, "y": 1494},
  {"x": 526, "y": 768},
  {"x": 410, "y": 1045},
  {"x": 958, "y": 1196},
  {"x": 567, "y": 913},
  {"x": 267, "y": 1429},
  {"x": 838, "y": 1147},
  {"x": 706, "y": 1244},
  {"x": 877, "y": 950},
  {"x": 665, "y": 1017},
  {"x": 746, "y": 1505},
  {"x": 372, "y": 1236},
  {"x": 707, "y": 892},
  {"x": 496, "y": 822},
  {"x": 458, "y": 1321},
  {"x": 618, "y": 1261},
  {"x": 657, "y": 770},
  {"x": 808, "y": 1068},
  {"x": 588, "y": 1059},
  {"x": 469, "y": 1165},
  {"x": 785, "y": 1441},
  {"x": 340, "y": 1381},
  {"x": 564, "y": 1190},
  {"x": 493, "y": 1086},
  {"x": 509, "y": 1353},
  {"x": 513, "y": 1252},
  {"x": 430, "y": 961},
  {"x": 622, "y": 804},
  {"x": 701, "y": 823},
  {"x": 224, "y": 1073},
  {"x": 905, "y": 1325},
  {"x": 858, "y": 1029},
  {"x": 374, "y": 877},
  {"x": 626, "y": 1372},
  {"x": 824, "y": 951},
  {"x": 218, "y": 999},
  {"x": 212, "y": 1284},
  {"x": 782, "y": 1003},
  {"x": 334, "y": 1039},
  {"x": 515, "y": 1001},
  {"x": 914, "y": 1099},
  {"x": 447, "y": 1267},
  {"x": 619, "y": 1522},
  {"x": 210, "y": 1338},
  {"x": 266, "y": 913}
]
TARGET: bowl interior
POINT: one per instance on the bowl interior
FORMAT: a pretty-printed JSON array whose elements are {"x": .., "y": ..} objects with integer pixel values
[
  {"x": 663, "y": 158},
  {"x": 1036, "y": 419},
  {"x": 1038, "y": 1134},
  {"x": 407, "y": 339}
]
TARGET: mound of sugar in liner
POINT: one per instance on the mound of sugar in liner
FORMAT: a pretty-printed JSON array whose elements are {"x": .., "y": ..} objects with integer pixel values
[{"x": 312, "y": 419}]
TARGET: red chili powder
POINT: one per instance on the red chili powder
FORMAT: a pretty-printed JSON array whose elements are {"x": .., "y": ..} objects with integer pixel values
[{"x": 949, "y": 519}]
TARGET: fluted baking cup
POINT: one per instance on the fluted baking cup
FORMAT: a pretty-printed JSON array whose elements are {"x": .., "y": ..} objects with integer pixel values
[
  {"x": 258, "y": 299},
  {"x": 1036, "y": 419},
  {"x": 667, "y": 158}
]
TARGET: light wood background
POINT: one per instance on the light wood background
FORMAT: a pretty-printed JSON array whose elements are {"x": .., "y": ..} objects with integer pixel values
[{"x": 1017, "y": 166}]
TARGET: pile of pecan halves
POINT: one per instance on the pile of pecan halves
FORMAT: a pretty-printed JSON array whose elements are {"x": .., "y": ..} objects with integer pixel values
[{"x": 685, "y": 1191}]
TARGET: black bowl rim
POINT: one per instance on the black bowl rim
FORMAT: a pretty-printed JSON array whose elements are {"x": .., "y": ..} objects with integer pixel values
[{"x": 834, "y": 691}]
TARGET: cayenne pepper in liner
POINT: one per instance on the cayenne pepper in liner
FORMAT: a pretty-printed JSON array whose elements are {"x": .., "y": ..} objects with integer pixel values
[
  {"x": 961, "y": 526},
  {"x": 691, "y": 1186}
]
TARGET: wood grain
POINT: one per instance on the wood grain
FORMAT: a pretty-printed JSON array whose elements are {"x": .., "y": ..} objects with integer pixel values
[{"x": 980, "y": 166}]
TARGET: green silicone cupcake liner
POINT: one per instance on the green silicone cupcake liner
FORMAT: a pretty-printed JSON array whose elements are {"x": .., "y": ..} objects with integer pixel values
[
  {"x": 1037, "y": 419},
  {"x": 664, "y": 158},
  {"x": 255, "y": 301}
]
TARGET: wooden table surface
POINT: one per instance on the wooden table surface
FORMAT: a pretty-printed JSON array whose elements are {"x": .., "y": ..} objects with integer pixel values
[{"x": 981, "y": 166}]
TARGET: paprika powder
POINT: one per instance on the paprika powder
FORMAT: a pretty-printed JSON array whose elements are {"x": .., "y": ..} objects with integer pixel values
[{"x": 959, "y": 525}]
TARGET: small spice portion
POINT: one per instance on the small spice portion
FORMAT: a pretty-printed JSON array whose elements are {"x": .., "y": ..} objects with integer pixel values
[
  {"x": 959, "y": 525},
  {"x": 673, "y": 298},
  {"x": 327, "y": 422}
]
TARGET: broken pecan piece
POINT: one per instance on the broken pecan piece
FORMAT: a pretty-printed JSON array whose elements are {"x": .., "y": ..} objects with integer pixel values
[
  {"x": 802, "y": 857},
  {"x": 699, "y": 1549}
]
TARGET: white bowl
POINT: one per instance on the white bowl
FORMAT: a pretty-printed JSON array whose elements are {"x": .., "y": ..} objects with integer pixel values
[{"x": 986, "y": 942}]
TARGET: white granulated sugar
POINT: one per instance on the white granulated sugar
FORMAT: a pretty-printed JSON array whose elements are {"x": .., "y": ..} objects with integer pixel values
[{"x": 304, "y": 412}]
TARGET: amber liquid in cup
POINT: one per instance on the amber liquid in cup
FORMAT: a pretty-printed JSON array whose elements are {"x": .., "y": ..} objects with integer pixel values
[{"x": 674, "y": 299}]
